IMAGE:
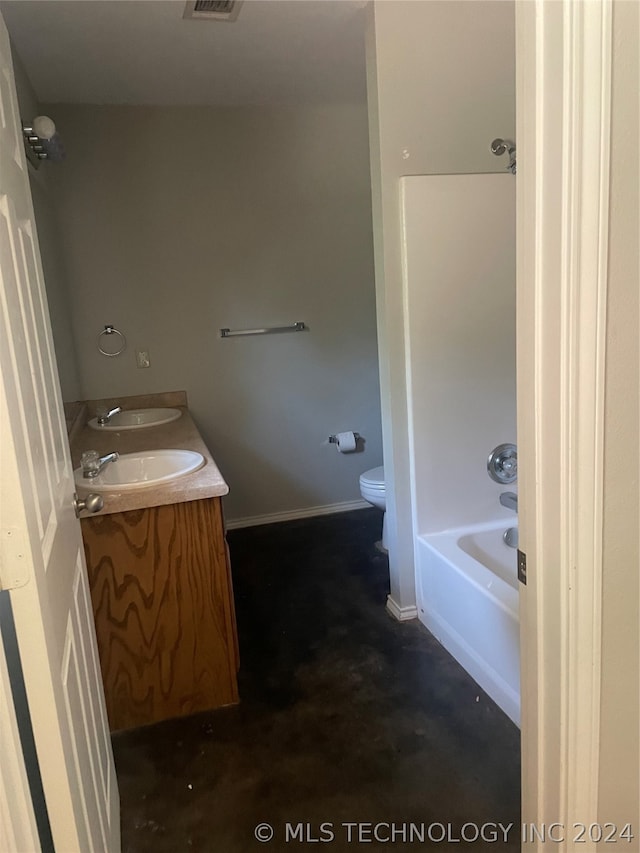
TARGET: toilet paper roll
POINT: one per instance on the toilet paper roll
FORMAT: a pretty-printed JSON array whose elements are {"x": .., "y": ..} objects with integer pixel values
[{"x": 346, "y": 442}]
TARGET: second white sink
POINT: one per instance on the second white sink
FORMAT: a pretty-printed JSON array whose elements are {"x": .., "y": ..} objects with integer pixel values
[
  {"x": 137, "y": 419},
  {"x": 137, "y": 470}
]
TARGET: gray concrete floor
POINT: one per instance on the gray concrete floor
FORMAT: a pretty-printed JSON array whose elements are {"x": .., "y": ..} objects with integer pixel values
[{"x": 346, "y": 717}]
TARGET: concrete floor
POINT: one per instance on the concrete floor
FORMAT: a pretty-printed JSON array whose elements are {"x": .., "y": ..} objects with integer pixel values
[{"x": 346, "y": 717}]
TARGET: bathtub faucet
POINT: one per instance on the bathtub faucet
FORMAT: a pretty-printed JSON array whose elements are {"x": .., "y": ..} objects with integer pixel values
[{"x": 510, "y": 500}]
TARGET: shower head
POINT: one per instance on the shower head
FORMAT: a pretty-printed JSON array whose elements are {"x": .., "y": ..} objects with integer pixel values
[
  {"x": 498, "y": 146},
  {"x": 505, "y": 146}
]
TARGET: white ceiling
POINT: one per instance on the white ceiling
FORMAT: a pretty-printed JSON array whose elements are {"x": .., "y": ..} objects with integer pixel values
[{"x": 144, "y": 52}]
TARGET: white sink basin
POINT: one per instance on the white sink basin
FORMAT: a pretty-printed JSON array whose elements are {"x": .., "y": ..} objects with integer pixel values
[
  {"x": 137, "y": 470},
  {"x": 138, "y": 419}
]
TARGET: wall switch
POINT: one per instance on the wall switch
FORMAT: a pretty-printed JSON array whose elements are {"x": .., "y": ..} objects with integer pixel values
[{"x": 142, "y": 358}]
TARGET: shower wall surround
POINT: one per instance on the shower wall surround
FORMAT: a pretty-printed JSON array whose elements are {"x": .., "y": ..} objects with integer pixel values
[
  {"x": 460, "y": 328},
  {"x": 441, "y": 86}
]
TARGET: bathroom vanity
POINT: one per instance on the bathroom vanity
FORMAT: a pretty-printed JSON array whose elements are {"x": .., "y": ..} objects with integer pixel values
[{"x": 160, "y": 579}]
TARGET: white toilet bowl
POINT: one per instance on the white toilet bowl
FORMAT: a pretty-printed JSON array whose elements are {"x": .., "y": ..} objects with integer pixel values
[{"x": 373, "y": 490}]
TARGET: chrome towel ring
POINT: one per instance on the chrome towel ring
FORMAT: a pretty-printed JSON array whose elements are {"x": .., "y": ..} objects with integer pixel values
[{"x": 111, "y": 330}]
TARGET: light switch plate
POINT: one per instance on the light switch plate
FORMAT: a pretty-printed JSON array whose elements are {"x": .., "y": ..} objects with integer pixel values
[{"x": 142, "y": 358}]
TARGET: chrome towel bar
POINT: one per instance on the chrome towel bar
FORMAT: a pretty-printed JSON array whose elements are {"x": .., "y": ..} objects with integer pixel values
[{"x": 273, "y": 330}]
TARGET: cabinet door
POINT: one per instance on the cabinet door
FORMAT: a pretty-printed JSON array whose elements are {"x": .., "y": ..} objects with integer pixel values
[{"x": 159, "y": 581}]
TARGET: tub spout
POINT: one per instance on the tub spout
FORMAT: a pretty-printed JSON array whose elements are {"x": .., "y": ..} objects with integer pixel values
[{"x": 510, "y": 500}]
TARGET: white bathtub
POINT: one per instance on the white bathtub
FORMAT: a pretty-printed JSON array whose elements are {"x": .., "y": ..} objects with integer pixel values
[{"x": 467, "y": 590}]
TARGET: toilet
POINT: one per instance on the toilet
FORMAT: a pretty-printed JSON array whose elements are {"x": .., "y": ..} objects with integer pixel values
[{"x": 372, "y": 489}]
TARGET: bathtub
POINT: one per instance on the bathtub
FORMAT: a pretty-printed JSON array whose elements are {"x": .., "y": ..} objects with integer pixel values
[{"x": 467, "y": 591}]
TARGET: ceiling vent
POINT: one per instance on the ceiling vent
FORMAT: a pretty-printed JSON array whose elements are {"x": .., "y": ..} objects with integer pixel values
[{"x": 212, "y": 10}]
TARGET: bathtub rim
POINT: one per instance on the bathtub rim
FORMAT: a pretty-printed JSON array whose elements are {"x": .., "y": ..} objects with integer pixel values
[{"x": 445, "y": 543}]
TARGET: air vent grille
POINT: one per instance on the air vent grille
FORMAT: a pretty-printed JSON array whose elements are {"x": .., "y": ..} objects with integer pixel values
[
  {"x": 222, "y": 7},
  {"x": 213, "y": 10}
]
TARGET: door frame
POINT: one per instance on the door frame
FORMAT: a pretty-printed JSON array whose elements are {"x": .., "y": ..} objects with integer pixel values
[
  {"x": 563, "y": 57},
  {"x": 563, "y": 90}
]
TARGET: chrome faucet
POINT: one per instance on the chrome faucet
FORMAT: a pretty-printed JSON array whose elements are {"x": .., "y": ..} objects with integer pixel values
[
  {"x": 92, "y": 464},
  {"x": 105, "y": 417},
  {"x": 510, "y": 500}
]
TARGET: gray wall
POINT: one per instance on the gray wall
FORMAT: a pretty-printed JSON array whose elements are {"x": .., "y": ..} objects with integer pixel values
[
  {"x": 48, "y": 238},
  {"x": 179, "y": 221},
  {"x": 441, "y": 86}
]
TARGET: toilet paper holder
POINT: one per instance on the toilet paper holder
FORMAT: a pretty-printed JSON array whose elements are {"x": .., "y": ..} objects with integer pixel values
[{"x": 333, "y": 439}]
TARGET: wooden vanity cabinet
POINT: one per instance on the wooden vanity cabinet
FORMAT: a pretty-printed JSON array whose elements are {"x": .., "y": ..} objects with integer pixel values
[{"x": 162, "y": 597}]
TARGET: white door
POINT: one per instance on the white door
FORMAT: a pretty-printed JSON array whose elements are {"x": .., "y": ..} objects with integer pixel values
[{"x": 41, "y": 554}]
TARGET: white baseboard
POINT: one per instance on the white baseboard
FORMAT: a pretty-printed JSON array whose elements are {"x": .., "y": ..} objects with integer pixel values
[
  {"x": 402, "y": 614},
  {"x": 306, "y": 512}
]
